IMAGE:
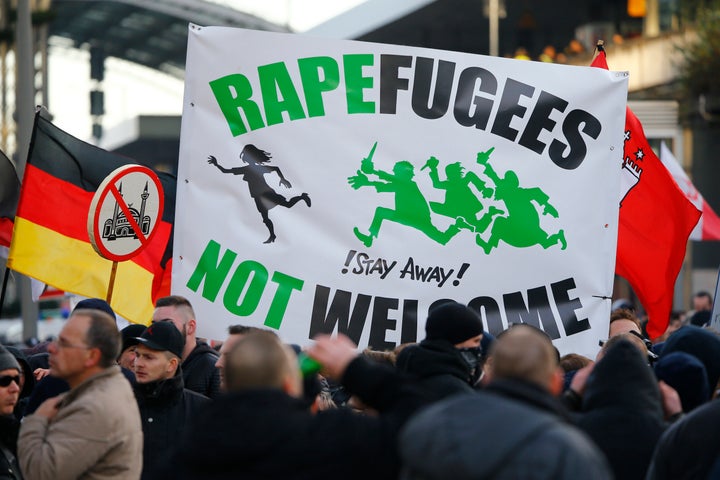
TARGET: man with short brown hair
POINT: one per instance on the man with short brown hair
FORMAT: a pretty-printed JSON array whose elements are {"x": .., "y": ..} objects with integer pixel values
[
  {"x": 235, "y": 334},
  {"x": 623, "y": 320},
  {"x": 166, "y": 407},
  {"x": 93, "y": 431},
  {"x": 198, "y": 358}
]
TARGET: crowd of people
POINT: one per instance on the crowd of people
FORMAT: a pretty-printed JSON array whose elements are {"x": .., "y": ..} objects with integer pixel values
[{"x": 157, "y": 402}]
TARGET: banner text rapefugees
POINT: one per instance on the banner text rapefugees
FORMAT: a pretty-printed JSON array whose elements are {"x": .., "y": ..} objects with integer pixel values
[{"x": 474, "y": 96}]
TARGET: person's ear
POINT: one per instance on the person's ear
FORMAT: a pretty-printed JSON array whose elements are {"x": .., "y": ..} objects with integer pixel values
[
  {"x": 557, "y": 381},
  {"x": 191, "y": 326},
  {"x": 93, "y": 357},
  {"x": 172, "y": 365}
]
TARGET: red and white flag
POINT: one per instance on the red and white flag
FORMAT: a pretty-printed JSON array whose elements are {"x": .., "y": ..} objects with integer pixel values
[
  {"x": 708, "y": 228},
  {"x": 656, "y": 219}
]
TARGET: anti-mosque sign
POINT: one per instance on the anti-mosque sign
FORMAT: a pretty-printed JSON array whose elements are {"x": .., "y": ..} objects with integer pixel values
[{"x": 339, "y": 186}]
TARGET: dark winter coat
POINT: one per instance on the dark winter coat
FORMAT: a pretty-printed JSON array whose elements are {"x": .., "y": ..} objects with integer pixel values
[
  {"x": 9, "y": 466},
  {"x": 513, "y": 430},
  {"x": 438, "y": 366},
  {"x": 165, "y": 410},
  {"x": 199, "y": 372},
  {"x": 266, "y": 434},
  {"x": 688, "y": 449},
  {"x": 622, "y": 410}
]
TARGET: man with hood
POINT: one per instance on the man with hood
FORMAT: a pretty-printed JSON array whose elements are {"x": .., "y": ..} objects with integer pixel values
[
  {"x": 165, "y": 405},
  {"x": 622, "y": 408},
  {"x": 447, "y": 361}
]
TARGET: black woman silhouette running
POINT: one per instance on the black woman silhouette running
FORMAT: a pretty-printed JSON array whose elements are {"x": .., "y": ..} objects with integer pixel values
[
  {"x": 521, "y": 226},
  {"x": 254, "y": 174},
  {"x": 411, "y": 208}
]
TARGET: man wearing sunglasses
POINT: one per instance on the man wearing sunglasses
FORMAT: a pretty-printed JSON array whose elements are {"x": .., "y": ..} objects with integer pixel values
[
  {"x": 9, "y": 425},
  {"x": 94, "y": 430}
]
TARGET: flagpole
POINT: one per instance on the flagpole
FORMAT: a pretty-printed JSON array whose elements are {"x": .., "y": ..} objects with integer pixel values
[
  {"x": 6, "y": 278},
  {"x": 111, "y": 284},
  {"x": 25, "y": 105}
]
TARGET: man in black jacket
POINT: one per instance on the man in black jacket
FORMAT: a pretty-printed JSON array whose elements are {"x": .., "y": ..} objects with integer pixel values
[
  {"x": 690, "y": 448},
  {"x": 622, "y": 407},
  {"x": 198, "y": 358},
  {"x": 513, "y": 429},
  {"x": 9, "y": 425},
  {"x": 447, "y": 361},
  {"x": 165, "y": 406},
  {"x": 262, "y": 429}
]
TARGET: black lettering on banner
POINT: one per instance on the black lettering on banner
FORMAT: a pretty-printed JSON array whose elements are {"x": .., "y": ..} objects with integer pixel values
[
  {"x": 575, "y": 123},
  {"x": 540, "y": 120},
  {"x": 537, "y": 313},
  {"x": 566, "y": 307},
  {"x": 510, "y": 107},
  {"x": 324, "y": 319},
  {"x": 489, "y": 312},
  {"x": 390, "y": 81},
  {"x": 421, "y": 103},
  {"x": 408, "y": 331},
  {"x": 381, "y": 322},
  {"x": 472, "y": 110}
]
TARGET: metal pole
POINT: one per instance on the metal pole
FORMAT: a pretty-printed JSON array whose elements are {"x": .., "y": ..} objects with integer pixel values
[
  {"x": 44, "y": 65},
  {"x": 25, "y": 108},
  {"x": 494, "y": 17}
]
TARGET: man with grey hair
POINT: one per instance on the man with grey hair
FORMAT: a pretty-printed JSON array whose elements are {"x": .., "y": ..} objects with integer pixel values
[
  {"x": 94, "y": 430},
  {"x": 513, "y": 429}
]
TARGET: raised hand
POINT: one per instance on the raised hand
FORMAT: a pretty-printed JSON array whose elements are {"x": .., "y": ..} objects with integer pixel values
[{"x": 359, "y": 180}]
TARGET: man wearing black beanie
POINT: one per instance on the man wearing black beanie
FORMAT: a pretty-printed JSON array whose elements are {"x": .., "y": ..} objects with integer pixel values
[{"x": 447, "y": 361}]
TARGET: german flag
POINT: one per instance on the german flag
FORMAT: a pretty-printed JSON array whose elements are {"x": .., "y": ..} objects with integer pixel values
[
  {"x": 50, "y": 241},
  {"x": 9, "y": 194}
]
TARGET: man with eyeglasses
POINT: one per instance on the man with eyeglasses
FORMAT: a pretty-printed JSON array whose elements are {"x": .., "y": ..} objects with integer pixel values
[
  {"x": 9, "y": 425},
  {"x": 94, "y": 430}
]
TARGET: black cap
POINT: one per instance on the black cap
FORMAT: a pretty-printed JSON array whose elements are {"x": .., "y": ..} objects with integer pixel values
[
  {"x": 130, "y": 333},
  {"x": 96, "y": 304},
  {"x": 163, "y": 336},
  {"x": 453, "y": 322}
]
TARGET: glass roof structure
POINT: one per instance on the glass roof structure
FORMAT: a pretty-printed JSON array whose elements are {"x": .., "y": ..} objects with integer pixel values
[{"x": 152, "y": 33}]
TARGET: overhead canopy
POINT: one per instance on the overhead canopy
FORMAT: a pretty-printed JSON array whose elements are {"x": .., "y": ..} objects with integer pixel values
[{"x": 152, "y": 33}]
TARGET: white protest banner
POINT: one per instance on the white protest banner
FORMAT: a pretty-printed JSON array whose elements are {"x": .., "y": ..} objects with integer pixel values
[{"x": 339, "y": 186}]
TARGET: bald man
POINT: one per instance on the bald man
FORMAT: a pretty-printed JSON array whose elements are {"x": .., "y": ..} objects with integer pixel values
[
  {"x": 513, "y": 429},
  {"x": 263, "y": 428}
]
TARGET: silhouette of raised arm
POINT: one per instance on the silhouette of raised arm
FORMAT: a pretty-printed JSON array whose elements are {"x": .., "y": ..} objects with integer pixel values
[{"x": 213, "y": 161}]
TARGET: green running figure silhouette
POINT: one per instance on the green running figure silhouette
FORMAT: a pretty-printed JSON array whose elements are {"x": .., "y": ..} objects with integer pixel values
[
  {"x": 411, "y": 207},
  {"x": 460, "y": 201},
  {"x": 521, "y": 226}
]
